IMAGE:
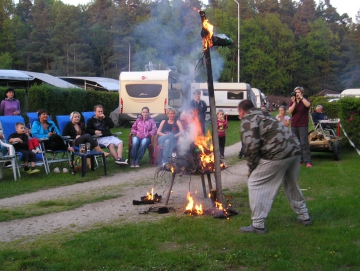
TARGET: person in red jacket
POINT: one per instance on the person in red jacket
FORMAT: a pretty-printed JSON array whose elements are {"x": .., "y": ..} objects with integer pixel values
[{"x": 222, "y": 125}]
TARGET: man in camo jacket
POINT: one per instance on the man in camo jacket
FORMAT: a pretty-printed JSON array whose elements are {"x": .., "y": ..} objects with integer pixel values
[{"x": 273, "y": 156}]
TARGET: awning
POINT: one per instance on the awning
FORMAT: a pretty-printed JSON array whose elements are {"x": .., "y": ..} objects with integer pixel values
[{"x": 14, "y": 75}]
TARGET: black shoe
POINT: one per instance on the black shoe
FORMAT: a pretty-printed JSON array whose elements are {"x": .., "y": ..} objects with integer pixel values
[
  {"x": 306, "y": 222},
  {"x": 251, "y": 228},
  {"x": 121, "y": 161}
]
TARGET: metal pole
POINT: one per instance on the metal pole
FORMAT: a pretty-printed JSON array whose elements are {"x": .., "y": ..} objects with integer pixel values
[
  {"x": 238, "y": 58},
  {"x": 129, "y": 57}
]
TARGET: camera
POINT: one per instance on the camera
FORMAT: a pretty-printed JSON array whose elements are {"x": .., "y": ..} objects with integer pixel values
[{"x": 293, "y": 94}]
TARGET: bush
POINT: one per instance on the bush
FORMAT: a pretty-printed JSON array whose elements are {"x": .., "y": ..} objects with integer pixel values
[
  {"x": 350, "y": 118},
  {"x": 62, "y": 101}
]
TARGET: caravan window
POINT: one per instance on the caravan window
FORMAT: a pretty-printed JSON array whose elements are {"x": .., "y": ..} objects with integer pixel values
[
  {"x": 143, "y": 90},
  {"x": 235, "y": 95}
]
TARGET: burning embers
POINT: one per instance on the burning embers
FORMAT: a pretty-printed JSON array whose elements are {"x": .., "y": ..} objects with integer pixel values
[
  {"x": 150, "y": 198},
  {"x": 218, "y": 211},
  {"x": 198, "y": 159}
]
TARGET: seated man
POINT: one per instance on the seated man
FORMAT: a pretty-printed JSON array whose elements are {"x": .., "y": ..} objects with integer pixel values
[
  {"x": 99, "y": 124},
  {"x": 318, "y": 114}
]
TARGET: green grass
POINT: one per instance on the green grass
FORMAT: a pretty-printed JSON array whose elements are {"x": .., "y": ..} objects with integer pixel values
[{"x": 180, "y": 242}]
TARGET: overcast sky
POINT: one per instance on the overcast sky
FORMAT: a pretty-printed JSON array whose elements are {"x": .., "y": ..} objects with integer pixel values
[{"x": 351, "y": 7}]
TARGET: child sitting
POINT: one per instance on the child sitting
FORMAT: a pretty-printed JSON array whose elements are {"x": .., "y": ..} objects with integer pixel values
[
  {"x": 222, "y": 125},
  {"x": 21, "y": 140},
  {"x": 33, "y": 142}
]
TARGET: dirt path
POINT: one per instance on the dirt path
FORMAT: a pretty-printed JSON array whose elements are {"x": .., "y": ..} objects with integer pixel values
[{"x": 134, "y": 185}]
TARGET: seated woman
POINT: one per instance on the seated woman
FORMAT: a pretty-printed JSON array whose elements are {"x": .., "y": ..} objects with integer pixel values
[
  {"x": 76, "y": 131},
  {"x": 143, "y": 129},
  {"x": 45, "y": 128},
  {"x": 168, "y": 132}
]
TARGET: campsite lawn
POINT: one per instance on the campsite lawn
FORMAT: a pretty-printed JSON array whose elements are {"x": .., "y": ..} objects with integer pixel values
[{"x": 181, "y": 242}]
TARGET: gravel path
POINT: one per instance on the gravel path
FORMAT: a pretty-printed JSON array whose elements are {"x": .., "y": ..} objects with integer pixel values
[{"x": 118, "y": 210}]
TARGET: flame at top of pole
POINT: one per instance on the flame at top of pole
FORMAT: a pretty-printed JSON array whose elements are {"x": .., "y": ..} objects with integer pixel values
[{"x": 207, "y": 31}]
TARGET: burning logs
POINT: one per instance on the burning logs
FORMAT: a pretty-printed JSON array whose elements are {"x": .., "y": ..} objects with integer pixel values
[
  {"x": 218, "y": 211},
  {"x": 150, "y": 198}
]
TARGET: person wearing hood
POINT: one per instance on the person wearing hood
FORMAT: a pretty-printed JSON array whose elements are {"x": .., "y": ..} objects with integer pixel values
[
  {"x": 273, "y": 157},
  {"x": 10, "y": 106},
  {"x": 143, "y": 129}
]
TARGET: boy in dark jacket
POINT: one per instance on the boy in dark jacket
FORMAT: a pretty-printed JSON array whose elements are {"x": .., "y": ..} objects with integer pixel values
[{"x": 20, "y": 141}]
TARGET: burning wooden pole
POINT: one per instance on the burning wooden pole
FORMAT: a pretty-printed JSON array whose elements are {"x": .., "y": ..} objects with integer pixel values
[{"x": 209, "y": 40}]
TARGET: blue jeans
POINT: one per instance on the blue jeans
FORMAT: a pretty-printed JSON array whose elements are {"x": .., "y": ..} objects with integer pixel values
[
  {"x": 138, "y": 148},
  {"x": 168, "y": 142}
]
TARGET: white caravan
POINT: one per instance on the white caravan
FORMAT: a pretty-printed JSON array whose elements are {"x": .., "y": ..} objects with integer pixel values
[
  {"x": 351, "y": 92},
  {"x": 156, "y": 89},
  {"x": 260, "y": 98},
  {"x": 227, "y": 95}
]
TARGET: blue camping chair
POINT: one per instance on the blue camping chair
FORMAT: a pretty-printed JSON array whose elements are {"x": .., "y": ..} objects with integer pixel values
[
  {"x": 87, "y": 116},
  {"x": 54, "y": 158},
  {"x": 8, "y": 124},
  {"x": 32, "y": 117}
]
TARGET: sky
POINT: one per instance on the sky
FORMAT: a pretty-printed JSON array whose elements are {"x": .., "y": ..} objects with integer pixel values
[{"x": 351, "y": 7}]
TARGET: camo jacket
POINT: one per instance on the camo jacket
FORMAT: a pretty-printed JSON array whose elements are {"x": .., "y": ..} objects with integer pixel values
[{"x": 266, "y": 138}]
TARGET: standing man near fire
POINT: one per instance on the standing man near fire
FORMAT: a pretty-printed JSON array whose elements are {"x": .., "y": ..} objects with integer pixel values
[
  {"x": 299, "y": 108},
  {"x": 273, "y": 157},
  {"x": 199, "y": 108}
]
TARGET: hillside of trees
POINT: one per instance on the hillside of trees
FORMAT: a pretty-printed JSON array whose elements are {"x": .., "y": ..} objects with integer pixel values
[{"x": 284, "y": 43}]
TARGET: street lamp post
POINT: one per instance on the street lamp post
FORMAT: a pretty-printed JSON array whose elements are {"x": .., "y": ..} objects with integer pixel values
[{"x": 238, "y": 60}]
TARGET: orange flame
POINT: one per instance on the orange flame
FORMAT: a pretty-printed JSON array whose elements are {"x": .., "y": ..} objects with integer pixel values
[
  {"x": 207, "y": 41},
  {"x": 150, "y": 196},
  {"x": 197, "y": 209}
]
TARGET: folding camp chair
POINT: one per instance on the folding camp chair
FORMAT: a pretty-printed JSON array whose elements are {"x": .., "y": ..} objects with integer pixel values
[
  {"x": 87, "y": 116},
  {"x": 8, "y": 124},
  {"x": 62, "y": 120},
  {"x": 32, "y": 117},
  {"x": 10, "y": 157}
]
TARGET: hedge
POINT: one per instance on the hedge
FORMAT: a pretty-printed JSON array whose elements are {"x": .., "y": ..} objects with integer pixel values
[{"x": 60, "y": 101}]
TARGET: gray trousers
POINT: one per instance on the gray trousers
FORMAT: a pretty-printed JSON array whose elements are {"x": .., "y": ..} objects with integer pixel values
[
  {"x": 264, "y": 182},
  {"x": 302, "y": 134}
]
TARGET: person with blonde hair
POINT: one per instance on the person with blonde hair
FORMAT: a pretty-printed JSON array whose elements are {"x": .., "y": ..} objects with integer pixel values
[
  {"x": 168, "y": 132},
  {"x": 76, "y": 130}
]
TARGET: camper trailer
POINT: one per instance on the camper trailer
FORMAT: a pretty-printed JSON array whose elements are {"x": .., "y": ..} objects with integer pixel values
[
  {"x": 260, "y": 98},
  {"x": 227, "y": 95},
  {"x": 156, "y": 89},
  {"x": 351, "y": 92}
]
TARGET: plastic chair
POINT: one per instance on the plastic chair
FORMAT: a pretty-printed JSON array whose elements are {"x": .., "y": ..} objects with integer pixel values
[
  {"x": 8, "y": 123},
  {"x": 150, "y": 149},
  {"x": 10, "y": 157}
]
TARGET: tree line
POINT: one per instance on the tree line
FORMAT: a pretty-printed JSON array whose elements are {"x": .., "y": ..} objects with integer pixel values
[{"x": 283, "y": 43}]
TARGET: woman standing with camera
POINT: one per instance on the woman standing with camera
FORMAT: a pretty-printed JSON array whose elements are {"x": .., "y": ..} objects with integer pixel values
[{"x": 299, "y": 108}]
